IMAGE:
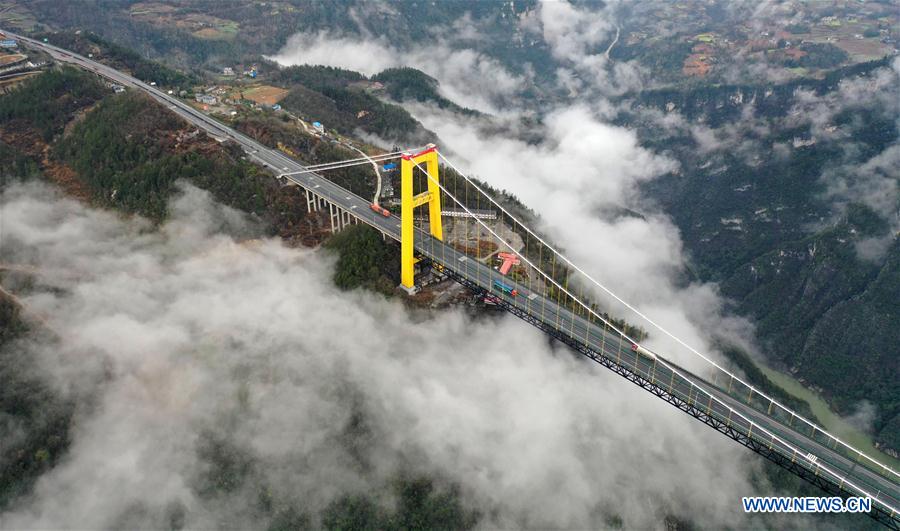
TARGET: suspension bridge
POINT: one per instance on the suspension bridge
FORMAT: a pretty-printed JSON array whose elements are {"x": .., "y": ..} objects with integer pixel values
[{"x": 547, "y": 290}]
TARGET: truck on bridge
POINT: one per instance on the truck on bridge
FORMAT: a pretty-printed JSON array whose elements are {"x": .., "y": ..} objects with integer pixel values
[{"x": 505, "y": 288}]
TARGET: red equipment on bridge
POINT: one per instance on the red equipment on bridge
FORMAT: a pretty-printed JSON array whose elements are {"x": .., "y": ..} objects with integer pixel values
[
  {"x": 509, "y": 260},
  {"x": 381, "y": 210},
  {"x": 428, "y": 149}
]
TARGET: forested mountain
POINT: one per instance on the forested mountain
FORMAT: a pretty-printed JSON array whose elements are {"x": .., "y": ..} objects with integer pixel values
[
  {"x": 757, "y": 210},
  {"x": 342, "y": 99},
  {"x": 126, "y": 152},
  {"x": 749, "y": 199},
  {"x": 242, "y": 31},
  {"x": 781, "y": 179}
]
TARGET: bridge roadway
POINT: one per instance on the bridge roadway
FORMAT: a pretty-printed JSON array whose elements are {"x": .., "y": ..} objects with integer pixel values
[{"x": 708, "y": 402}]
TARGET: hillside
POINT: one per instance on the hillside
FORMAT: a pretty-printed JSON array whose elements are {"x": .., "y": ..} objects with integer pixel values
[
  {"x": 755, "y": 204},
  {"x": 409, "y": 84},
  {"x": 36, "y": 418},
  {"x": 126, "y": 152},
  {"x": 737, "y": 209},
  {"x": 346, "y": 101},
  {"x": 341, "y": 99},
  {"x": 682, "y": 44}
]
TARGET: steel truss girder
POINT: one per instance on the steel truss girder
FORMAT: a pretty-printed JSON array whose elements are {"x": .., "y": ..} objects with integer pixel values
[{"x": 877, "y": 512}]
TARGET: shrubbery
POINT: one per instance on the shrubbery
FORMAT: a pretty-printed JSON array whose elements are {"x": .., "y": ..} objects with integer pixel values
[{"x": 363, "y": 259}]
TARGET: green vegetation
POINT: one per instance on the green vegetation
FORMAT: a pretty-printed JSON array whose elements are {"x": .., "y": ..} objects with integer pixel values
[
  {"x": 341, "y": 100},
  {"x": 142, "y": 68},
  {"x": 776, "y": 481},
  {"x": 715, "y": 106},
  {"x": 129, "y": 151},
  {"x": 348, "y": 109},
  {"x": 664, "y": 57},
  {"x": 354, "y": 512},
  {"x": 230, "y": 468},
  {"x": 114, "y": 22},
  {"x": 828, "y": 287},
  {"x": 819, "y": 55},
  {"x": 123, "y": 151},
  {"x": 12, "y": 325},
  {"x": 311, "y": 149},
  {"x": 45, "y": 103},
  {"x": 364, "y": 259},
  {"x": 889, "y": 434},
  {"x": 802, "y": 286},
  {"x": 870, "y": 33},
  {"x": 317, "y": 77},
  {"x": 411, "y": 84},
  {"x": 34, "y": 419},
  {"x": 120, "y": 58},
  {"x": 801, "y": 299},
  {"x": 797, "y": 29},
  {"x": 420, "y": 505},
  {"x": 856, "y": 436},
  {"x": 469, "y": 195},
  {"x": 15, "y": 165},
  {"x": 862, "y": 363}
]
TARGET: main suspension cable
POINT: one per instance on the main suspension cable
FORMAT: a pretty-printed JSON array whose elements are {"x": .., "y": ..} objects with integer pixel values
[
  {"x": 660, "y": 359},
  {"x": 660, "y": 328}
]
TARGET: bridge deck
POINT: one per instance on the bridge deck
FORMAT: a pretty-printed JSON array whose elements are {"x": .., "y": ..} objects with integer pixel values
[{"x": 689, "y": 392}]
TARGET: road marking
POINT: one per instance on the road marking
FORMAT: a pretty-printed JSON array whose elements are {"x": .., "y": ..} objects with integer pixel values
[
  {"x": 461, "y": 258},
  {"x": 532, "y": 296}
]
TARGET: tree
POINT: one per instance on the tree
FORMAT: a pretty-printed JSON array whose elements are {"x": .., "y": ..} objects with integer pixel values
[{"x": 362, "y": 255}]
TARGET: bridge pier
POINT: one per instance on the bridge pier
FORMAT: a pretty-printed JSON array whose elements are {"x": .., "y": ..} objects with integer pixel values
[
  {"x": 311, "y": 202},
  {"x": 340, "y": 217},
  {"x": 336, "y": 220},
  {"x": 315, "y": 202}
]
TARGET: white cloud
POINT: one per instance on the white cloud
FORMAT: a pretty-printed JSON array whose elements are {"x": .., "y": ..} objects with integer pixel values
[
  {"x": 186, "y": 331},
  {"x": 365, "y": 56},
  {"x": 466, "y": 77},
  {"x": 570, "y": 32},
  {"x": 576, "y": 37},
  {"x": 578, "y": 180},
  {"x": 875, "y": 183}
]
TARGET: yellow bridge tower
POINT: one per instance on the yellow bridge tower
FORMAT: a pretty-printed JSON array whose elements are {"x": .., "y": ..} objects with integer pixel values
[{"x": 408, "y": 203}]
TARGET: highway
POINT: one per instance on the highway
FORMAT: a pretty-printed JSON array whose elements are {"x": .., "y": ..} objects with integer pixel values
[{"x": 826, "y": 462}]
